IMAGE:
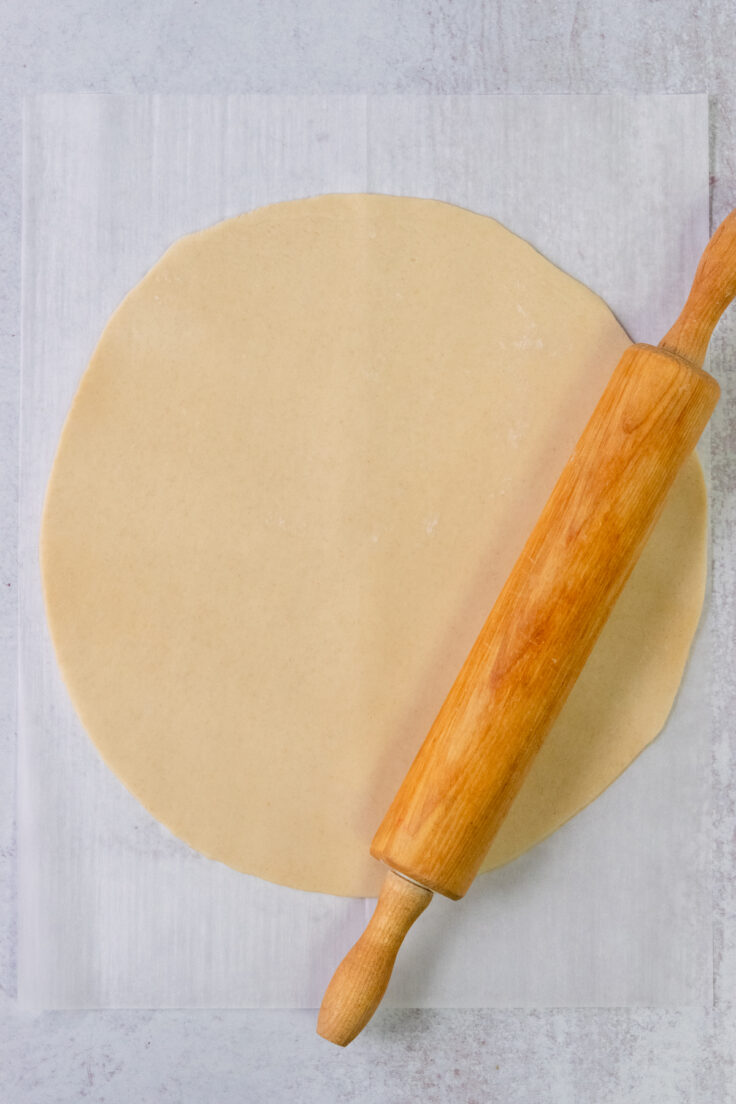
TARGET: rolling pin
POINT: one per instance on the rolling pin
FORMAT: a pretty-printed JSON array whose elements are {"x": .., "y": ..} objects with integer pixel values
[{"x": 538, "y": 635}]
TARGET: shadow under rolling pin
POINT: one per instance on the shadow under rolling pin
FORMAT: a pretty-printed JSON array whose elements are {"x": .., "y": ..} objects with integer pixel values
[{"x": 538, "y": 635}]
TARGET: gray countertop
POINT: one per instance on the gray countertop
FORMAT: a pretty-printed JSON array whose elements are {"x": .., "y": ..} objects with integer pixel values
[{"x": 645, "y": 1056}]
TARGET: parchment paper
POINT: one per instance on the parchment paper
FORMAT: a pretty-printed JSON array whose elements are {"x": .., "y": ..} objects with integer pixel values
[{"x": 113, "y": 911}]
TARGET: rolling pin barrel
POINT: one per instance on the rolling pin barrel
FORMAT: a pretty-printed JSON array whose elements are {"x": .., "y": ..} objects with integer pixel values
[{"x": 546, "y": 620}]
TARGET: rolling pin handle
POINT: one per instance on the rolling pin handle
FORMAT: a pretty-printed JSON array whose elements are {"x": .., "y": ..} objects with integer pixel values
[
  {"x": 713, "y": 288},
  {"x": 360, "y": 980}
]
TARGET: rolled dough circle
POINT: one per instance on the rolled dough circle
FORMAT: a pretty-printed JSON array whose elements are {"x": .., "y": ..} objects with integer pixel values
[{"x": 302, "y": 461}]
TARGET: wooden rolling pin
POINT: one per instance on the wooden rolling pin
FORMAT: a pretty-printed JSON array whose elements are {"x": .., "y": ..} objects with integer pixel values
[{"x": 538, "y": 635}]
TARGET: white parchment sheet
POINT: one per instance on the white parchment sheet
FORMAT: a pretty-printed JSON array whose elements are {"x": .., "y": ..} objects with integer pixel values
[{"x": 614, "y": 909}]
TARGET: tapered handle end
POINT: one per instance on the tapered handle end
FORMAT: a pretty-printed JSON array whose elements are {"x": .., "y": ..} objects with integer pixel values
[
  {"x": 360, "y": 980},
  {"x": 714, "y": 287}
]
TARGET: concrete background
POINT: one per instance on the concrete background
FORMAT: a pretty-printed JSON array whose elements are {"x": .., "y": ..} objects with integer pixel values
[{"x": 647, "y": 1056}]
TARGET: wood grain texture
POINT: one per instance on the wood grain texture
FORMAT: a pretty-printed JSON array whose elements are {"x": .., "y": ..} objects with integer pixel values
[{"x": 546, "y": 620}]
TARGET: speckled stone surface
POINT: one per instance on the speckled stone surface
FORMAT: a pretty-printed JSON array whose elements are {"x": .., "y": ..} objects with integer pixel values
[{"x": 604, "y": 1057}]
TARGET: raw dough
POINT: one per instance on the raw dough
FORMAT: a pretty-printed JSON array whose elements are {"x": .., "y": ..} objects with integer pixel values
[{"x": 304, "y": 457}]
